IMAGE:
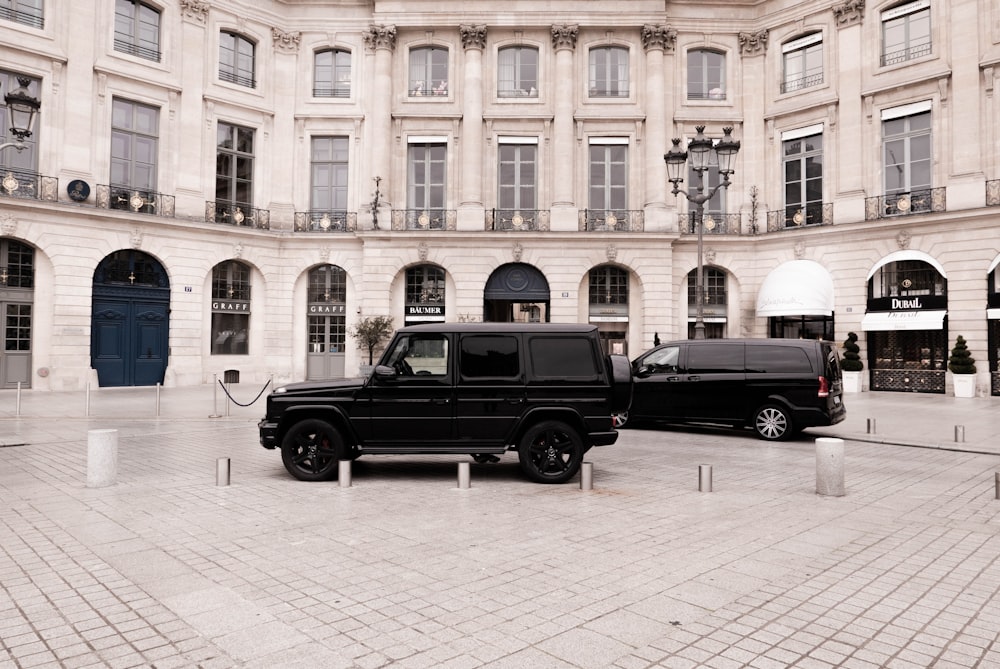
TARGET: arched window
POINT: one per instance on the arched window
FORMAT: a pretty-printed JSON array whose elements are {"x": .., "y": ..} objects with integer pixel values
[
  {"x": 706, "y": 72},
  {"x": 137, "y": 29},
  {"x": 425, "y": 293},
  {"x": 609, "y": 72},
  {"x": 230, "y": 308},
  {"x": 332, "y": 74},
  {"x": 236, "y": 59},
  {"x": 429, "y": 71},
  {"x": 802, "y": 60},
  {"x": 517, "y": 72}
]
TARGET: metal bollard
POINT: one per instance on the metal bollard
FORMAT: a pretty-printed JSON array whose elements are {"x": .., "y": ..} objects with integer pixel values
[
  {"x": 871, "y": 426},
  {"x": 959, "y": 434},
  {"x": 102, "y": 458},
  {"x": 587, "y": 476},
  {"x": 86, "y": 409},
  {"x": 463, "y": 475},
  {"x": 996, "y": 485},
  {"x": 227, "y": 399},
  {"x": 215, "y": 396},
  {"x": 704, "y": 478},
  {"x": 344, "y": 473},
  {"x": 830, "y": 467},
  {"x": 222, "y": 471},
  {"x": 157, "y": 400},
  {"x": 17, "y": 406}
]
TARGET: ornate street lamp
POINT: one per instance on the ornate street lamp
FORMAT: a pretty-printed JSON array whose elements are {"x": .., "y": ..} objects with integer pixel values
[
  {"x": 700, "y": 150},
  {"x": 22, "y": 109}
]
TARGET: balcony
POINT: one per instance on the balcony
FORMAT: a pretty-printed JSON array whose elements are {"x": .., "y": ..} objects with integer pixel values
[
  {"x": 792, "y": 85},
  {"x": 905, "y": 204},
  {"x": 29, "y": 186},
  {"x": 517, "y": 220},
  {"x": 799, "y": 217},
  {"x": 137, "y": 201},
  {"x": 133, "y": 49},
  {"x": 235, "y": 213},
  {"x": 993, "y": 193},
  {"x": 28, "y": 17},
  {"x": 424, "y": 219},
  {"x": 715, "y": 224},
  {"x": 903, "y": 55},
  {"x": 319, "y": 220},
  {"x": 612, "y": 220}
]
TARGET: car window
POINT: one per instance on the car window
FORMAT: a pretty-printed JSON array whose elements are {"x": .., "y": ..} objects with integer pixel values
[
  {"x": 489, "y": 356},
  {"x": 777, "y": 359},
  {"x": 662, "y": 361},
  {"x": 715, "y": 358},
  {"x": 563, "y": 358},
  {"x": 420, "y": 355}
]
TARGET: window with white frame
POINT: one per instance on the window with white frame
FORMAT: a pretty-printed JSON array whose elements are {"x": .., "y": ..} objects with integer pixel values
[
  {"x": 134, "y": 151},
  {"x": 906, "y": 151},
  {"x": 517, "y": 176},
  {"x": 332, "y": 74},
  {"x": 137, "y": 29},
  {"x": 236, "y": 59},
  {"x": 706, "y": 73},
  {"x": 329, "y": 174},
  {"x": 25, "y": 12},
  {"x": 802, "y": 158},
  {"x": 608, "y": 176},
  {"x": 609, "y": 72},
  {"x": 428, "y": 71},
  {"x": 906, "y": 32},
  {"x": 234, "y": 165},
  {"x": 426, "y": 184},
  {"x": 802, "y": 60},
  {"x": 517, "y": 72}
]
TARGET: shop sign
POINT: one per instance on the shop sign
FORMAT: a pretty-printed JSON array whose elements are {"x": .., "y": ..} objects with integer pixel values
[
  {"x": 914, "y": 303},
  {"x": 424, "y": 310},
  {"x": 332, "y": 309},
  {"x": 219, "y": 305}
]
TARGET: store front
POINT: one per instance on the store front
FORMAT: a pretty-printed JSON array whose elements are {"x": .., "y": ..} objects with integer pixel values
[
  {"x": 17, "y": 297},
  {"x": 608, "y": 306},
  {"x": 714, "y": 302},
  {"x": 425, "y": 295},
  {"x": 797, "y": 300},
  {"x": 516, "y": 293},
  {"x": 326, "y": 304}
]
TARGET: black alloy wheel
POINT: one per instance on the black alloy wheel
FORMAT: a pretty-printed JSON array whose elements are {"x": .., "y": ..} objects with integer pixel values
[
  {"x": 551, "y": 452},
  {"x": 311, "y": 449}
]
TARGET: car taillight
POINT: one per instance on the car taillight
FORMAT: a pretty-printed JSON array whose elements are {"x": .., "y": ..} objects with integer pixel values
[{"x": 824, "y": 387}]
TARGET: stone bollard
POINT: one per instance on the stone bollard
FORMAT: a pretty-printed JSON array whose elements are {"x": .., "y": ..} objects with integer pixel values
[
  {"x": 463, "y": 475},
  {"x": 704, "y": 478},
  {"x": 587, "y": 476},
  {"x": 830, "y": 467},
  {"x": 102, "y": 458},
  {"x": 344, "y": 473}
]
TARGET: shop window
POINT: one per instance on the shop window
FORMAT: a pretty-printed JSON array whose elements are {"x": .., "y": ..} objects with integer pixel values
[{"x": 230, "y": 308}]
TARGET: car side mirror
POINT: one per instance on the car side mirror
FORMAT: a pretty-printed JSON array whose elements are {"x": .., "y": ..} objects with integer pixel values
[
  {"x": 642, "y": 371},
  {"x": 385, "y": 372}
]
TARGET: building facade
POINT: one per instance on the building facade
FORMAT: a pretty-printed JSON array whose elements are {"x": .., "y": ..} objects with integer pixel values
[{"x": 219, "y": 186}]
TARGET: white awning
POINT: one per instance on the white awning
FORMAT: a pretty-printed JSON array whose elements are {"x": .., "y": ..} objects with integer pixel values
[
  {"x": 796, "y": 288},
  {"x": 992, "y": 314},
  {"x": 903, "y": 320}
]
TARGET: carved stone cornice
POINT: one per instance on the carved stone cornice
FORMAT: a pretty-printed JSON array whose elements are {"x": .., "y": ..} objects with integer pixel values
[
  {"x": 381, "y": 37},
  {"x": 753, "y": 44},
  {"x": 473, "y": 37},
  {"x": 849, "y": 13},
  {"x": 195, "y": 11},
  {"x": 564, "y": 37},
  {"x": 659, "y": 37},
  {"x": 285, "y": 42}
]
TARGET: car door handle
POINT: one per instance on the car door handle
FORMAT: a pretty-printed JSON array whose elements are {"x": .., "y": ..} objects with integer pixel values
[
  {"x": 515, "y": 400},
  {"x": 440, "y": 400},
  {"x": 673, "y": 378},
  {"x": 694, "y": 378}
]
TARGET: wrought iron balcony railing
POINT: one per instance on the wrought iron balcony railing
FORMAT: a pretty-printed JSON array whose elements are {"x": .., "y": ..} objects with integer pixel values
[
  {"x": 993, "y": 193},
  {"x": 789, "y": 218},
  {"x": 136, "y": 200},
  {"x": 802, "y": 82},
  {"x": 612, "y": 220},
  {"x": 28, "y": 17},
  {"x": 236, "y": 213},
  {"x": 903, "y": 55},
  {"x": 517, "y": 220},
  {"x": 133, "y": 49},
  {"x": 424, "y": 219},
  {"x": 905, "y": 204},
  {"x": 28, "y": 185},
  {"x": 319, "y": 220},
  {"x": 714, "y": 224}
]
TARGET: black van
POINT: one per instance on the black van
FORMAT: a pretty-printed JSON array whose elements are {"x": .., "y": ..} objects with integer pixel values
[{"x": 775, "y": 386}]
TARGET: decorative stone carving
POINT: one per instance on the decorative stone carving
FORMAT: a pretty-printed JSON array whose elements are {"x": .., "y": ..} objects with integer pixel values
[
  {"x": 800, "y": 250},
  {"x": 8, "y": 225},
  {"x": 136, "y": 238},
  {"x": 473, "y": 37},
  {"x": 324, "y": 254},
  {"x": 564, "y": 37},
  {"x": 752, "y": 44},
  {"x": 903, "y": 239},
  {"x": 709, "y": 256},
  {"x": 380, "y": 37},
  {"x": 517, "y": 251},
  {"x": 659, "y": 37},
  {"x": 285, "y": 42},
  {"x": 849, "y": 13},
  {"x": 612, "y": 252},
  {"x": 422, "y": 251},
  {"x": 195, "y": 11},
  {"x": 238, "y": 250}
]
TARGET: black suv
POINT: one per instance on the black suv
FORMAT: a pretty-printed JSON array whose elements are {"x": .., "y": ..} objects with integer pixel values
[
  {"x": 546, "y": 391},
  {"x": 775, "y": 386}
]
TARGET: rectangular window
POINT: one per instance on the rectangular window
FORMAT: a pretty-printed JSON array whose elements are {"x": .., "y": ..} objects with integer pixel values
[
  {"x": 715, "y": 205},
  {"x": 803, "y": 166},
  {"x": 329, "y": 174},
  {"x": 715, "y": 359},
  {"x": 906, "y": 32},
  {"x": 706, "y": 72},
  {"x": 517, "y": 72},
  {"x": 236, "y": 60},
  {"x": 489, "y": 356},
  {"x": 608, "y": 178},
  {"x": 17, "y": 328},
  {"x": 25, "y": 12},
  {"x": 563, "y": 359},
  {"x": 428, "y": 71},
  {"x": 609, "y": 72},
  {"x": 134, "y": 144},
  {"x": 426, "y": 176},
  {"x": 234, "y": 165},
  {"x": 517, "y": 174},
  {"x": 137, "y": 29},
  {"x": 906, "y": 143},
  {"x": 332, "y": 74},
  {"x": 803, "y": 63}
]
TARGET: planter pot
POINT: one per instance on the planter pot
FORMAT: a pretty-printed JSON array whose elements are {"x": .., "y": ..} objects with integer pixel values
[
  {"x": 853, "y": 381},
  {"x": 965, "y": 385}
]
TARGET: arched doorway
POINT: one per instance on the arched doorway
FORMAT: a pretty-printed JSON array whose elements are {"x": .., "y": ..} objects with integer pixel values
[
  {"x": 326, "y": 303},
  {"x": 516, "y": 293},
  {"x": 130, "y": 320}
]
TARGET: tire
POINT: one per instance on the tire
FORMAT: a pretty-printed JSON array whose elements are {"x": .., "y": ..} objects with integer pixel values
[
  {"x": 619, "y": 419},
  {"x": 550, "y": 452},
  {"x": 772, "y": 422},
  {"x": 311, "y": 449}
]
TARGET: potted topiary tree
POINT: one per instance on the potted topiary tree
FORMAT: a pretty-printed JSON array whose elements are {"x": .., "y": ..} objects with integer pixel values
[
  {"x": 963, "y": 368},
  {"x": 851, "y": 365},
  {"x": 370, "y": 333}
]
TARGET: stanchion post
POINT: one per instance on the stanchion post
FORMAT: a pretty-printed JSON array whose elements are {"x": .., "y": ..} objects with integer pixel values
[
  {"x": 227, "y": 400},
  {"x": 830, "y": 467},
  {"x": 463, "y": 475},
  {"x": 157, "y": 400},
  {"x": 704, "y": 478},
  {"x": 344, "y": 473},
  {"x": 996, "y": 485},
  {"x": 17, "y": 404},
  {"x": 587, "y": 476},
  {"x": 959, "y": 434},
  {"x": 871, "y": 426},
  {"x": 215, "y": 396},
  {"x": 86, "y": 402},
  {"x": 222, "y": 466},
  {"x": 102, "y": 458}
]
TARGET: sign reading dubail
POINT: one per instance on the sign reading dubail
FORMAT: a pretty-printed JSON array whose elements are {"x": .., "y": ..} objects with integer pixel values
[{"x": 904, "y": 320}]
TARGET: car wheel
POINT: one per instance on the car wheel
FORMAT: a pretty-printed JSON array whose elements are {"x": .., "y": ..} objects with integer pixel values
[
  {"x": 619, "y": 419},
  {"x": 773, "y": 423},
  {"x": 551, "y": 452},
  {"x": 311, "y": 449}
]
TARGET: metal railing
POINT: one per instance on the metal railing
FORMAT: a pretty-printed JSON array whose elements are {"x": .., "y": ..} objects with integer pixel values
[
  {"x": 714, "y": 224},
  {"x": 799, "y": 217},
  {"x": 32, "y": 19},
  {"x": 803, "y": 82},
  {"x": 424, "y": 219},
  {"x": 903, "y": 55},
  {"x": 332, "y": 220},
  {"x": 28, "y": 185},
  {"x": 612, "y": 220},
  {"x": 335, "y": 92},
  {"x": 235, "y": 213},
  {"x": 133, "y": 49},
  {"x": 891, "y": 205},
  {"x": 233, "y": 78},
  {"x": 517, "y": 220},
  {"x": 135, "y": 200}
]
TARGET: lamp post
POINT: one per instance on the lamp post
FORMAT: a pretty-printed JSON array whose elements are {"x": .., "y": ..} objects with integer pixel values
[
  {"x": 700, "y": 149},
  {"x": 22, "y": 109}
]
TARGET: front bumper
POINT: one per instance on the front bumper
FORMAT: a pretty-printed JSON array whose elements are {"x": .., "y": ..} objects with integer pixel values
[{"x": 268, "y": 434}]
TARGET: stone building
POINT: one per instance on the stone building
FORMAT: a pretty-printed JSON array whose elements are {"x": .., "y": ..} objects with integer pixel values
[{"x": 216, "y": 185}]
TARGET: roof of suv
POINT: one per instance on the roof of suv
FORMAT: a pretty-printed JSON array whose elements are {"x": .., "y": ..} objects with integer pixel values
[
  {"x": 756, "y": 341},
  {"x": 493, "y": 328}
]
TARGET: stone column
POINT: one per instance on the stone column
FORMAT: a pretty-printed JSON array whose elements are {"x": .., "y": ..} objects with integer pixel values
[
  {"x": 564, "y": 212},
  {"x": 656, "y": 40},
  {"x": 753, "y": 138},
  {"x": 381, "y": 40},
  {"x": 846, "y": 138},
  {"x": 192, "y": 124},
  {"x": 470, "y": 174},
  {"x": 282, "y": 187}
]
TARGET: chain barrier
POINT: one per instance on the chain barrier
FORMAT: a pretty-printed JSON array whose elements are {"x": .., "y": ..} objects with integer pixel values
[{"x": 226, "y": 390}]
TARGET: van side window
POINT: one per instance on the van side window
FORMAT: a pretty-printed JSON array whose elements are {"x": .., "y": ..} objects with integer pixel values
[
  {"x": 567, "y": 358},
  {"x": 777, "y": 359},
  {"x": 662, "y": 361},
  {"x": 489, "y": 356},
  {"x": 715, "y": 358}
]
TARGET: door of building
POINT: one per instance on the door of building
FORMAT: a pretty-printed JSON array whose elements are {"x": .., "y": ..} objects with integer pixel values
[{"x": 15, "y": 351}]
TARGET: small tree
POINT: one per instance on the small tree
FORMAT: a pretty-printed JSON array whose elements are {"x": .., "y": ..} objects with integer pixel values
[
  {"x": 851, "y": 362},
  {"x": 961, "y": 361},
  {"x": 371, "y": 332}
]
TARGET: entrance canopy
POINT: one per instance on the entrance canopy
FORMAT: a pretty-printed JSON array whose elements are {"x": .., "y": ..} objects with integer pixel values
[
  {"x": 796, "y": 288},
  {"x": 903, "y": 320},
  {"x": 517, "y": 282}
]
